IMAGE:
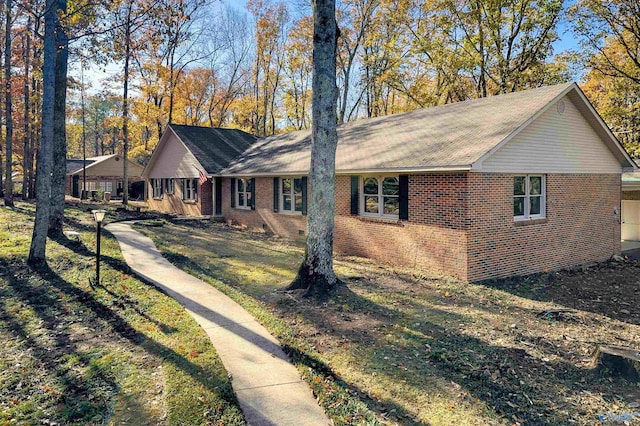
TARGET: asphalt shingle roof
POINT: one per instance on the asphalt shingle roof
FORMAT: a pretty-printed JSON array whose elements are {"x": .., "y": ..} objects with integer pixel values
[
  {"x": 214, "y": 148},
  {"x": 453, "y": 135}
]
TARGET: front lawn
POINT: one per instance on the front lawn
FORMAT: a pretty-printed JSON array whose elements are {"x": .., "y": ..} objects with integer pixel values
[
  {"x": 118, "y": 352},
  {"x": 417, "y": 349}
]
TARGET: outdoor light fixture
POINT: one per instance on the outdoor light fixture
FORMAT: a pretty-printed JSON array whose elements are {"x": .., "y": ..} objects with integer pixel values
[{"x": 98, "y": 216}]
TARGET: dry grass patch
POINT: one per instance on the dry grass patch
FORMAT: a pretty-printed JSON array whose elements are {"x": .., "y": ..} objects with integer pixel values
[{"x": 431, "y": 350}]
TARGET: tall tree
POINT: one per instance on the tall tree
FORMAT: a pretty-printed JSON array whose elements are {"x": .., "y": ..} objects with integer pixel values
[
  {"x": 27, "y": 157},
  {"x": 58, "y": 173},
  {"x": 316, "y": 274},
  {"x": 45, "y": 157},
  {"x": 8, "y": 190}
]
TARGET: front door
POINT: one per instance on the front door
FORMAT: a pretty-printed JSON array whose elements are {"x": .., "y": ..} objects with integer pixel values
[
  {"x": 75, "y": 192},
  {"x": 631, "y": 220}
]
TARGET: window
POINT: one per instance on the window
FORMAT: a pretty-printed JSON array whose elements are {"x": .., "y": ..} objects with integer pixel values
[
  {"x": 380, "y": 196},
  {"x": 106, "y": 186},
  {"x": 243, "y": 193},
  {"x": 157, "y": 188},
  {"x": 167, "y": 185},
  {"x": 190, "y": 189},
  {"x": 291, "y": 190},
  {"x": 528, "y": 197}
]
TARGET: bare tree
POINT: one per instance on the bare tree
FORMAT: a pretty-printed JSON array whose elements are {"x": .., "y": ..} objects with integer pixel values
[
  {"x": 316, "y": 274},
  {"x": 45, "y": 158}
]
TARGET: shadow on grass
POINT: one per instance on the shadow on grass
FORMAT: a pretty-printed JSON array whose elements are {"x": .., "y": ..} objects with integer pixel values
[{"x": 40, "y": 297}]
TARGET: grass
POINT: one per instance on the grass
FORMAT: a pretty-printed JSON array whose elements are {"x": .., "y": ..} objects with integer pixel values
[
  {"x": 400, "y": 346},
  {"x": 117, "y": 352}
]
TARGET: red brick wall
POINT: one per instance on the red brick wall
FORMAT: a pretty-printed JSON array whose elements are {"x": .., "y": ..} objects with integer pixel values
[
  {"x": 581, "y": 225},
  {"x": 173, "y": 203}
]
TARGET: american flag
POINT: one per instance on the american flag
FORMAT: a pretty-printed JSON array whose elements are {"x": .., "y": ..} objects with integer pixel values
[{"x": 203, "y": 177}]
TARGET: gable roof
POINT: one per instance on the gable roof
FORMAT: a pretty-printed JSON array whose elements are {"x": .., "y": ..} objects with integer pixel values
[
  {"x": 214, "y": 148},
  {"x": 74, "y": 165},
  {"x": 450, "y": 137}
]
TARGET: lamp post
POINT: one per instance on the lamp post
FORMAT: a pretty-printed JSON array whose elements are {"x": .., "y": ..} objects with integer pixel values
[{"x": 98, "y": 216}]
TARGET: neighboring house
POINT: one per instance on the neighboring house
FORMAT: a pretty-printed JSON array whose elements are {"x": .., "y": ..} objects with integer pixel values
[
  {"x": 179, "y": 174},
  {"x": 103, "y": 173},
  {"x": 496, "y": 187},
  {"x": 631, "y": 206}
]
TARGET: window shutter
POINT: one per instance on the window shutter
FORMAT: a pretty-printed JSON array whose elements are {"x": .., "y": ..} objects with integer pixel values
[
  {"x": 355, "y": 183},
  {"x": 403, "y": 198},
  {"x": 253, "y": 193},
  {"x": 233, "y": 192},
  {"x": 276, "y": 194},
  {"x": 304, "y": 195}
]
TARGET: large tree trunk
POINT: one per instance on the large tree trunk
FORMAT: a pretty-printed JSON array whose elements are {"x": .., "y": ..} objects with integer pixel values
[
  {"x": 45, "y": 157},
  {"x": 59, "y": 171},
  {"x": 8, "y": 184},
  {"x": 125, "y": 111},
  {"x": 316, "y": 273},
  {"x": 28, "y": 155}
]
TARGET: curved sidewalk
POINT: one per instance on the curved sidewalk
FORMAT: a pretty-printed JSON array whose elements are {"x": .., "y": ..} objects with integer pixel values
[{"x": 268, "y": 386}]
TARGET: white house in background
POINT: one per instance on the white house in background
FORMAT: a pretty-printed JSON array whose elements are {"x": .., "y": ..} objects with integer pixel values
[{"x": 104, "y": 173}]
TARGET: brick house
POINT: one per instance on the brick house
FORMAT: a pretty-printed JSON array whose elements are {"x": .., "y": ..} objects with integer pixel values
[
  {"x": 180, "y": 174},
  {"x": 489, "y": 188},
  {"x": 103, "y": 173}
]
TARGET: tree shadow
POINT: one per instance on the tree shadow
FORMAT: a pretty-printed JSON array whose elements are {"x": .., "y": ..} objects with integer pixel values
[{"x": 42, "y": 296}]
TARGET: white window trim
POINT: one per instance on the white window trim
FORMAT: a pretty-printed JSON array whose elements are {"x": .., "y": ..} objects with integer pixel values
[
  {"x": 281, "y": 196},
  {"x": 247, "y": 206},
  {"x": 168, "y": 186},
  {"x": 527, "y": 195},
  {"x": 190, "y": 194},
  {"x": 157, "y": 188},
  {"x": 361, "y": 196}
]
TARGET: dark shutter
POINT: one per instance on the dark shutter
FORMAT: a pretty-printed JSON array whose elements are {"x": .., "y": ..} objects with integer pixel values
[
  {"x": 233, "y": 192},
  {"x": 218, "y": 189},
  {"x": 355, "y": 183},
  {"x": 304, "y": 195},
  {"x": 403, "y": 198},
  {"x": 276, "y": 194},
  {"x": 253, "y": 193}
]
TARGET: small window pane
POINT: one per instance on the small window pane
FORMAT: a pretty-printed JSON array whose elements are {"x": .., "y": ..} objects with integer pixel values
[
  {"x": 249, "y": 185},
  {"x": 298, "y": 203},
  {"x": 518, "y": 185},
  {"x": 391, "y": 206},
  {"x": 286, "y": 202},
  {"x": 240, "y": 185},
  {"x": 390, "y": 186},
  {"x": 371, "y": 186},
  {"x": 286, "y": 186},
  {"x": 241, "y": 198},
  {"x": 371, "y": 204},
  {"x": 297, "y": 186},
  {"x": 518, "y": 206},
  {"x": 536, "y": 185},
  {"x": 535, "y": 205}
]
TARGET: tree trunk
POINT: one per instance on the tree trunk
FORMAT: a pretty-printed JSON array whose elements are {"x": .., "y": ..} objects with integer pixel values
[
  {"x": 125, "y": 111},
  {"x": 8, "y": 184},
  {"x": 45, "y": 157},
  {"x": 58, "y": 177},
  {"x": 316, "y": 273},
  {"x": 28, "y": 155}
]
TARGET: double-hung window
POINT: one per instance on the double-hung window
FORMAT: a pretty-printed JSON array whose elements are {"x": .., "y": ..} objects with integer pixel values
[
  {"x": 291, "y": 190},
  {"x": 168, "y": 185},
  {"x": 157, "y": 188},
  {"x": 190, "y": 189},
  {"x": 243, "y": 193},
  {"x": 380, "y": 196},
  {"x": 529, "y": 197}
]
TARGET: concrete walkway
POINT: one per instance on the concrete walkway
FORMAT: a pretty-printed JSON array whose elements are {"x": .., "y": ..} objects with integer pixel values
[{"x": 268, "y": 386}]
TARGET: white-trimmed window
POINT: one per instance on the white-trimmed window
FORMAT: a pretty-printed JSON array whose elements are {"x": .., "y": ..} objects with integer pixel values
[
  {"x": 379, "y": 196},
  {"x": 168, "y": 186},
  {"x": 190, "y": 189},
  {"x": 157, "y": 188},
  {"x": 529, "y": 197},
  {"x": 291, "y": 195},
  {"x": 243, "y": 193}
]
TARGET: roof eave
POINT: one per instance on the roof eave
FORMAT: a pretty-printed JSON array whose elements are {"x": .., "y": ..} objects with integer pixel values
[{"x": 399, "y": 170}]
